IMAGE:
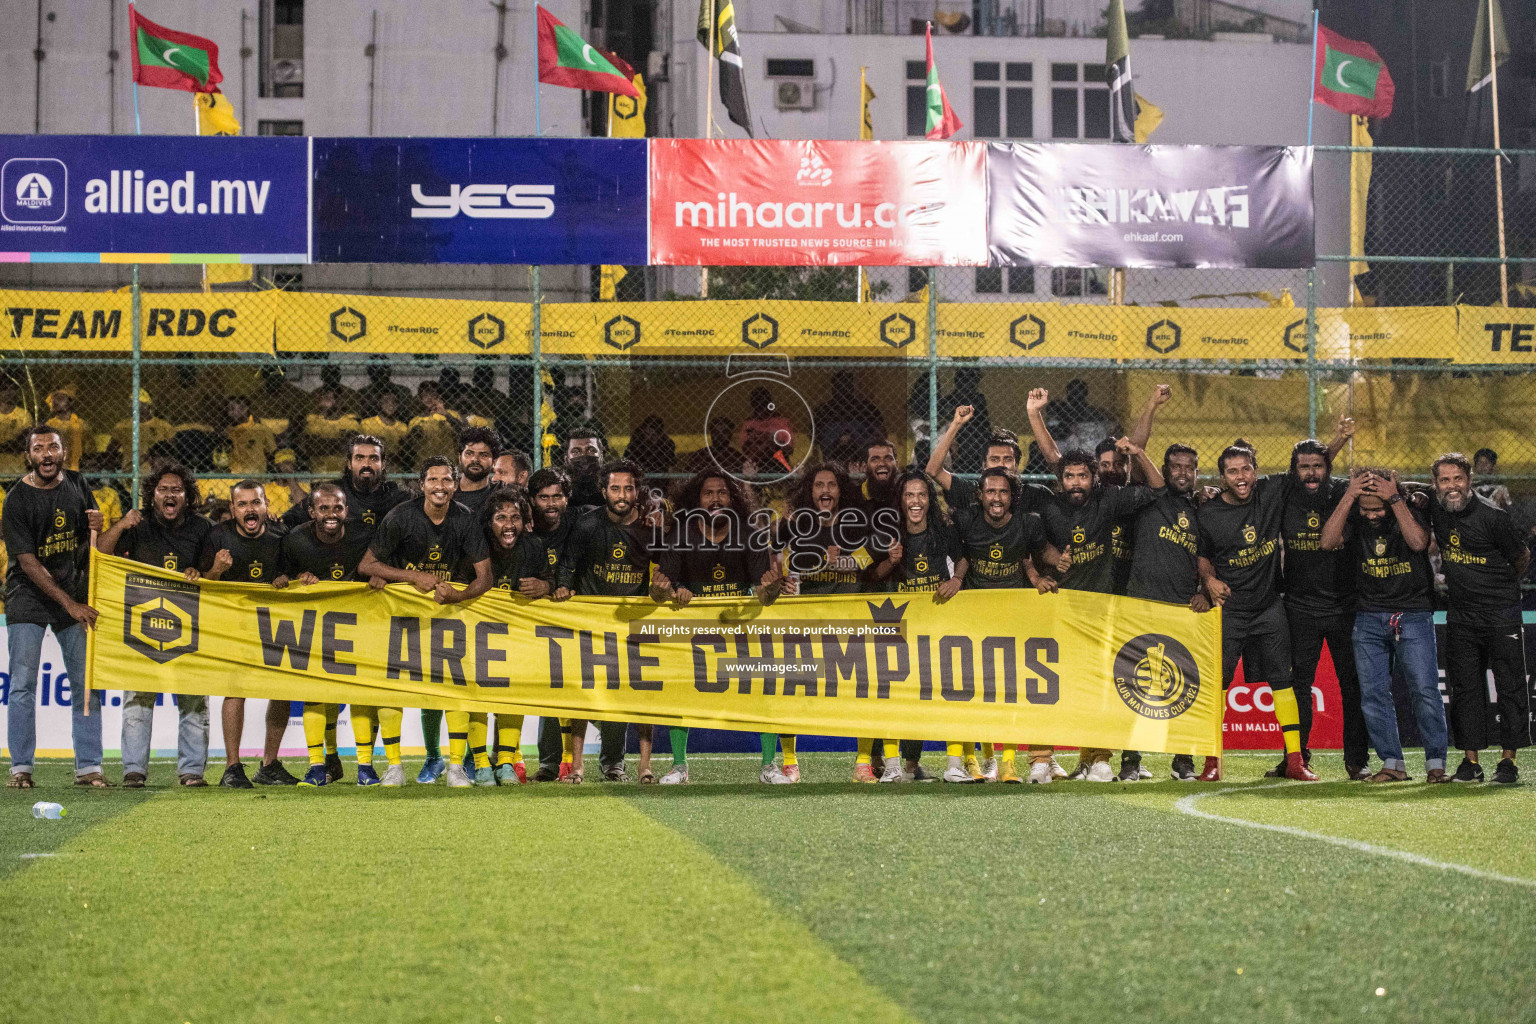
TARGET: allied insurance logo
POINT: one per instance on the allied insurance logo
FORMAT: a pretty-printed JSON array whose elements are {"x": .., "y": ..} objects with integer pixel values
[
  {"x": 1156, "y": 677},
  {"x": 159, "y": 617},
  {"x": 34, "y": 190}
]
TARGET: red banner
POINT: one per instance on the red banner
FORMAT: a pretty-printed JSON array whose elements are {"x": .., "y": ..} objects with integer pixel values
[
  {"x": 1250, "y": 723},
  {"x": 802, "y": 202}
]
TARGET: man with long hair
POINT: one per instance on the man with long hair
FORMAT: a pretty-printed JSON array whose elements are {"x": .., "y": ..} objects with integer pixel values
[{"x": 517, "y": 567}]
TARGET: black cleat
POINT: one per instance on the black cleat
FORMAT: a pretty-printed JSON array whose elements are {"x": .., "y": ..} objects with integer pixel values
[
  {"x": 1183, "y": 769},
  {"x": 1130, "y": 769},
  {"x": 1506, "y": 774},
  {"x": 333, "y": 768},
  {"x": 545, "y": 774},
  {"x": 234, "y": 778},
  {"x": 274, "y": 774},
  {"x": 1469, "y": 771}
]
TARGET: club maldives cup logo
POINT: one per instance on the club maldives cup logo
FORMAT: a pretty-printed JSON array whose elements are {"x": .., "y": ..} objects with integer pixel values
[
  {"x": 159, "y": 617},
  {"x": 1156, "y": 676}
]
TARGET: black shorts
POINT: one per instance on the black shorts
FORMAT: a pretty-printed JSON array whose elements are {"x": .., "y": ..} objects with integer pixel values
[{"x": 1262, "y": 640}]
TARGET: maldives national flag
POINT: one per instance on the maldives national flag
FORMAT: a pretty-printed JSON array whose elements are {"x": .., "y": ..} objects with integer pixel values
[
  {"x": 566, "y": 59},
  {"x": 1350, "y": 76},
  {"x": 167, "y": 59},
  {"x": 941, "y": 121}
]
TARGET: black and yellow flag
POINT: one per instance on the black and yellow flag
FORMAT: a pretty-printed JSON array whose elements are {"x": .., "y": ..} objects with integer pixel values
[
  {"x": 626, "y": 114},
  {"x": 866, "y": 121},
  {"x": 1117, "y": 60},
  {"x": 733, "y": 81}
]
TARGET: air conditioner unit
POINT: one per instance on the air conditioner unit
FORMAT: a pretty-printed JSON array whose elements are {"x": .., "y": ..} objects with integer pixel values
[
  {"x": 288, "y": 71},
  {"x": 795, "y": 94}
]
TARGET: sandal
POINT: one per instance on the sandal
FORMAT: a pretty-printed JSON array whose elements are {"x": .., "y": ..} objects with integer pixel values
[
  {"x": 20, "y": 780},
  {"x": 193, "y": 781},
  {"x": 134, "y": 780},
  {"x": 647, "y": 778},
  {"x": 94, "y": 780},
  {"x": 574, "y": 778}
]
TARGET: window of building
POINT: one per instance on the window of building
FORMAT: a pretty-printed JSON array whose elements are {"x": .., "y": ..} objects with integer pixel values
[
  {"x": 992, "y": 280},
  {"x": 989, "y": 280},
  {"x": 917, "y": 279},
  {"x": 280, "y": 37},
  {"x": 917, "y": 98},
  {"x": 1021, "y": 280},
  {"x": 279, "y": 127},
  {"x": 1072, "y": 282},
  {"x": 1079, "y": 101},
  {"x": 999, "y": 111}
]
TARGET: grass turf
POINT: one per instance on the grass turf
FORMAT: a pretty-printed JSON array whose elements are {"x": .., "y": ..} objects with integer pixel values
[{"x": 727, "y": 901}]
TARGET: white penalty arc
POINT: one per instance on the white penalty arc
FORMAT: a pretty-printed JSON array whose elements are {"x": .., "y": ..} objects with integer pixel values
[{"x": 1186, "y": 805}]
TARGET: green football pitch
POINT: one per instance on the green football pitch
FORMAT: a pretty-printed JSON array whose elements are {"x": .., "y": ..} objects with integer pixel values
[{"x": 729, "y": 901}]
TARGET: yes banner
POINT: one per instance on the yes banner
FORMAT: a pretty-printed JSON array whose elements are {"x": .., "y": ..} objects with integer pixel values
[
  {"x": 1073, "y": 669},
  {"x": 782, "y": 202},
  {"x": 1063, "y": 205}
]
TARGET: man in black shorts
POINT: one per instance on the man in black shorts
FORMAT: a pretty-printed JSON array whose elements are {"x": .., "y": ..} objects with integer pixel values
[{"x": 1483, "y": 557}]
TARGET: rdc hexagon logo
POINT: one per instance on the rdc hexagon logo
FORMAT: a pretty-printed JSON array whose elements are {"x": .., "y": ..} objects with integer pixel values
[
  {"x": 1164, "y": 336},
  {"x": 1027, "y": 332},
  {"x": 347, "y": 324},
  {"x": 1296, "y": 336},
  {"x": 898, "y": 330},
  {"x": 759, "y": 330},
  {"x": 622, "y": 332},
  {"x": 487, "y": 331}
]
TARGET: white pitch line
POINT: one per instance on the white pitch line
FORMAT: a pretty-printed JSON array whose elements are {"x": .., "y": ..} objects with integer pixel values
[
  {"x": 34, "y": 856},
  {"x": 1186, "y": 805}
]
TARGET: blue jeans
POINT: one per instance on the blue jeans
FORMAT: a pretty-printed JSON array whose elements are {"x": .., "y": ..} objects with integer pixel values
[
  {"x": 191, "y": 732},
  {"x": 1409, "y": 638},
  {"x": 24, "y": 641}
]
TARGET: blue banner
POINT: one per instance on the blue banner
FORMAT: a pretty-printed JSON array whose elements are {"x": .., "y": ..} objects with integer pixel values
[
  {"x": 435, "y": 200},
  {"x": 155, "y": 198}
]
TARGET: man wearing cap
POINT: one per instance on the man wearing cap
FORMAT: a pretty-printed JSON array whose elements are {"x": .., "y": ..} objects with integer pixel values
[
  {"x": 153, "y": 430},
  {"x": 74, "y": 430}
]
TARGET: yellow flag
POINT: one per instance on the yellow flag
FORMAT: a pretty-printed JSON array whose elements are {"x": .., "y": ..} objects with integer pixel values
[
  {"x": 226, "y": 273},
  {"x": 866, "y": 123},
  {"x": 1359, "y": 189},
  {"x": 1148, "y": 117},
  {"x": 626, "y": 114},
  {"x": 215, "y": 115},
  {"x": 608, "y": 281}
]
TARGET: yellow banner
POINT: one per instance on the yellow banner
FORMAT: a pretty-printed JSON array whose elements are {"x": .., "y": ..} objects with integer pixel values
[
  {"x": 1046, "y": 330},
  {"x": 1071, "y": 669},
  {"x": 102, "y": 321},
  {"x": 1495, "y": 334},
  {"x": 1385, "y": 332},
  {"x": 317, "y": 322}
]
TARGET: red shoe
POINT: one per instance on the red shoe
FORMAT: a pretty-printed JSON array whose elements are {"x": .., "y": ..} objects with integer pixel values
[
  {"x": 1212, "y": 772},
  {"x": 1296, "y": 769},
  {"x": 521, "y": 773},
  {"x": 792, "y": 772},
  {"x": 863, "y": 773},
  {"x": 565, "y": 769}
]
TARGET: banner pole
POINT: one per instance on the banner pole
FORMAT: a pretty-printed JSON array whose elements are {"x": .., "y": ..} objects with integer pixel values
[
  {"x": 1498, "y": 162},
  {"x": 933, "y": 357},
  {"x": 1312, "y": 80},
  {"x": 709, "y": 119},
  {"x": 1312, "y": 370},
  {"x": 538, "y": 117}
]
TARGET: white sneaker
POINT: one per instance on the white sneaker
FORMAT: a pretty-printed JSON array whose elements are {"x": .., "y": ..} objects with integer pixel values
[
  {"x": 394, "y": 775},
  {"x": 1142, "y": 772},
  {"x": 1042, "y": 772},
  {"x": 457, "y": 777},
  {"x": 989, "y": 769},
  {"x": 958, "y": 773},
  {"x": 893, "y": 772},
  {"x": 676, "y": 777},
  {"x": 1057, "y": 771},
  {"x": 773, "y": 775},
  {"x": 1100, "y": 771}
]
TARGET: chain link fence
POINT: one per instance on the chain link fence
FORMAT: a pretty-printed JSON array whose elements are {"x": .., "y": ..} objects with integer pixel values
[{"x": 765, "y": 370}]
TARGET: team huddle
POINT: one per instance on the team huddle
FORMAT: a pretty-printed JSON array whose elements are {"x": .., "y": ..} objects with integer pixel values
[{"x": 1294, "y": 560}]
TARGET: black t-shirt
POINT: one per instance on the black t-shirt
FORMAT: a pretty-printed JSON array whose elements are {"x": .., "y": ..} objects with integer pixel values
[
  {"x": 1165, "y": 564},
  {"x": 1243, "y": 544},
  {"x": 997, "y": 554},
  {"x": 1478, "y": 550},
  {"x": 524, "y": 561},
  {"x": 50, "y": 525},
  {"x": 408, "y": 539},
  {"x": 927, "y": 559},
  {"x": 256, "y": 559},
  {"x": 1032, "y": 497},
  {"x": 1317, "y": 582},
  {"x": 1389, "y": 575},
  {"x": 176, "y": 547},
  {"x": 368, "y": 509},
  {"x": 553, "y": 542},
  {"x": 848, "y": 531},
  {"x": 1122, "y": 544},
  {"x": 1088, "y": 530},
  {"x": 474, "y": 500},
  {"x": 304, "y": 551},
  {"x": 604, "y": 558},
  {"x": 708, "y": 569}
]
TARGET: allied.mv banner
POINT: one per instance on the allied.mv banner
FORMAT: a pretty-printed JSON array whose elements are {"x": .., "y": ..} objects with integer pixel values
[{"x": 1072, "y": 669}]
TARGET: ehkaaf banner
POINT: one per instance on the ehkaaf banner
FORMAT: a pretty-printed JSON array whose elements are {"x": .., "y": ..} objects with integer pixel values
[
  {"x": 427, "y": 200},
  {"x": 760, "y": 202},
  {"x": 153, "y": 199},
  {"x": 1074, "y": 668},
  {"x": 1060, "y": 205}
]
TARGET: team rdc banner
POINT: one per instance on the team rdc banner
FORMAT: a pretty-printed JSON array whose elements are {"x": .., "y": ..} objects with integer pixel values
[
  {"x": 1070, "y": 669},
  {"x": 1056, "y": 205}
]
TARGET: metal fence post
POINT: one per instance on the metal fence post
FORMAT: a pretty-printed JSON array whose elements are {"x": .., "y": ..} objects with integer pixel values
[
  {"x": 933, "y": 358},
  {"x": 134, "y": 311},
  {"x": 538, "y": 370},
  {"x": 1312, "y": 369}
]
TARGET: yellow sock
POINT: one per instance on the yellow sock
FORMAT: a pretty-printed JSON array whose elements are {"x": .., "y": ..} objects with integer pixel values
[
  {"x": 866, "y": 751},
  {"x": 1007, "y": 754},
  {"x": 509, "y": 739},
  {"x": 362, "y": 732},
  {"x": 1288, "y": 714},
  {"x": 458, "y": 735},
  {"x": 969, "y": 753},
  {"x": 954, "y": 748},
  {"x": 389, "y": 732},
  {"x": 787, "y": 744},
  {"x": 479, "y": 731},
  {"x": 986, "y": 751},
  {"x": 314, "y": 732},
  {"x": 567, "y": 744},
  {"x": 332, "y": 712},
  {"x": 892, "y": 750}
]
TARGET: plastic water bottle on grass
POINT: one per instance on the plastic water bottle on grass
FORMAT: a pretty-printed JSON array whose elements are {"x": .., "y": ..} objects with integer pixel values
[{"x": 48, "y": 809}]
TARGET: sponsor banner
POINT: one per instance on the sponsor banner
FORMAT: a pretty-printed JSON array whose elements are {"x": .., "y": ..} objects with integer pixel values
[
  {"x": 1495, "y": 334},
  {"x": 317, "y": 322},
  {"x": 37, "y": 322},
  {"x": 1387, "y": 332},
  {"x": 1047, "y": 330},
  {"x": 149, "y": 199},
  {"x": 782, "y": 202},
  {"x": 1060, "y": 205},
  {"x": 426, "y": 200},
  {"x": 1071, "y": 668}
]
